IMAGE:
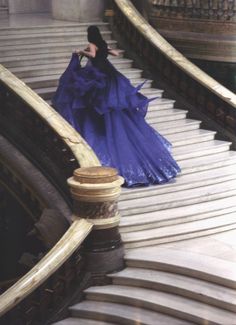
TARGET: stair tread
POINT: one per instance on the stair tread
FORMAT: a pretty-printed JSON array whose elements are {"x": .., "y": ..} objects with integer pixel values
[
  {"x": 208, "y": 190},
  {"x": 182, "y": 285},
  {"x": 60, "y": 66},
  {"x": 65, "y": 44},
  {"x": 157, "y": 299},
  {"x": 200, "y": 146},
  {"x": 182, "y": 229},
  {"x": 33, "y": 82},
  {"x": 170, "y": 111},
  {"x": 174, "y": 124},
  {"x": 213, "y": 176},
  {"x": 211, "y": 269},
  {"x": 65, "y": 55},
  {"x": 197, "y": 211},
  {"x": 82, "y": 321},
  {"x": 189, "y": 134},
  {"x": 122, "y": 313},
  {"x": 44, "y": 35},
  {"x": 59, "y": 24}
]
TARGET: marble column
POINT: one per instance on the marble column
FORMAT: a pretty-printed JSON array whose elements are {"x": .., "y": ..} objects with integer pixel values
[{"x": 78, "y": 10}]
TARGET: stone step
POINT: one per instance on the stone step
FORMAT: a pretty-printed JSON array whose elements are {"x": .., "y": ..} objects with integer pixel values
[
  {"x": 178, "y": 215},
  {"x": 52, "y": 81},
  {"x": 181, "y": 285},
  {"x": 121, "y": 314},
  {"x": 159, "y": 103},
  {"x": 174, "y": 127},
  {"x": 171, "y": 199},
  {"x": 179, "y": 232},
  {"x": 152, "y": 93},
  {"x": 211, "y": 161},
  {"x": 175, "y": 306},
  {"x": 164, "y": 113},
  {"x": 199, "y": 266},
  {"x": 59, "y": 27},
  {"x": 200, "y": 178},
  {"x": 43, "y": 48},
  {"x": 58, "y": 69},
  {"x": 51, "y": 58},
  {"x": 82, "y": 321},
  {"x": 167, "y": 115},
  {"x": 200, "y": 150},
  {"x": 190, "y": 137},
  {"x": 46, "y": 38},
  {"x": 47, "y": 93}
]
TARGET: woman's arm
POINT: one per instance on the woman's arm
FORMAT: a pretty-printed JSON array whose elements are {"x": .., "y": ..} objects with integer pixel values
[
  {"x": 113, "y": 52},
  {"x": 90, "y": 51}
]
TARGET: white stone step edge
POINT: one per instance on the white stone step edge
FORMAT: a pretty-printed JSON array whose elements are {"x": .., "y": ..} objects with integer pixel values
[
  {"x": 153, "y": 241},
  {"x": 185, "y": 228},
  {"x": 185, "y": 286},
  {"x": 173, "y": 305},
  {"x": 128, "y": 226},
  {"x": 51, "y": 35},
  {"x": 170, "y": 217},
  {"x": 122, "y": 314},
  {"x": 59, "y": 24},
  {"x": 211, "y": 176},
  {"x": 199, "y": 266},
  {"x": 191, "y": 197},
  {"x": 202, "y": 150}
]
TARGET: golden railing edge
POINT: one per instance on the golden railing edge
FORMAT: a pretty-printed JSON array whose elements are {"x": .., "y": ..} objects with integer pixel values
[
  {"x": 175, "y": 56},
  {"x": 81, "y": 150},
  {"x": 65, "y": 247}
]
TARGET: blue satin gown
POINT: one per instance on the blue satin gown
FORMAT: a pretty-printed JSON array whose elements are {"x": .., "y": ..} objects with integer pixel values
[{"x": 109, "y": 113}]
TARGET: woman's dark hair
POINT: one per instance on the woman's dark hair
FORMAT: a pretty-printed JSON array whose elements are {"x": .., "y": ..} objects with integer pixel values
[{"x": 95, "y": 37}]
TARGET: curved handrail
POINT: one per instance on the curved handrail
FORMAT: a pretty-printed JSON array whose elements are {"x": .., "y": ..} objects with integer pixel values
[
  {"x": 173, "y": 55},
  {"x": 81, "y": 150},
  {"x": 79, "y": 229},
  {"x": 71, "y": 240}
]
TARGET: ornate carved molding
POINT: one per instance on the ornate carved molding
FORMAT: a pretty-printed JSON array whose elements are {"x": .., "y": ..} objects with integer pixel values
[
  {"x": 95, "y": 192},
  {"x": 200, "y": 9}
]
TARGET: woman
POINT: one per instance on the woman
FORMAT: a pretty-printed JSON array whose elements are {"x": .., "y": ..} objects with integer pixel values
[{"x": 103, "y": 106}]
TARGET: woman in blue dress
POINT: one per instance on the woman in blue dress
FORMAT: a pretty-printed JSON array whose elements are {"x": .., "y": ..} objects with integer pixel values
[{"x": 109, "y": 113}]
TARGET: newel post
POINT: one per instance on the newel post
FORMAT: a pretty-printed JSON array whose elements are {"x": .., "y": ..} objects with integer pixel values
[{"x": 95, "y": 191}]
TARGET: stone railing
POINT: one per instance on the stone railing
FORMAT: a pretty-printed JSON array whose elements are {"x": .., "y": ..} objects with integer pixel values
[
  {"x": 67, "y": 269},
  {"x": 200, "y": 9},
  {"x": 172, "y": 71},
  {"x": 57, "y": 149},
  {"x": 41, "y": 291},
  {"x": 41, "y": 133}
]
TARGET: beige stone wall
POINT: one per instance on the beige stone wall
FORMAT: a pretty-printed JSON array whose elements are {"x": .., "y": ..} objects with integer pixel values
[
  {"x": 29, "y": 6},
  {"x": 3, "y": 3},
  {"x": 78, "y": 10}
]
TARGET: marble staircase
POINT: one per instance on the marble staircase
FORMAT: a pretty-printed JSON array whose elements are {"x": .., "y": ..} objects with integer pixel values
[
  {"x": 159, "y": 285},
  {"x": 171, "y": 287}
]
